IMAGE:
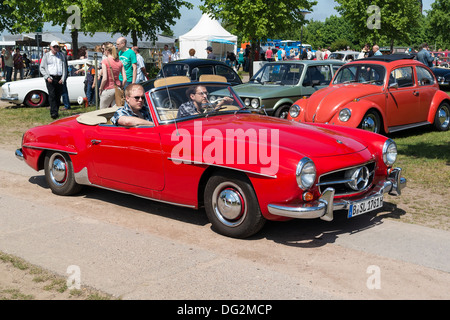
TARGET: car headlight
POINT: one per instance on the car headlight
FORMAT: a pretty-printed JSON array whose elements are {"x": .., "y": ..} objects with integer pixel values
[
  {"x": 389, "y": 152},
  {"x": 305, "y": 173},
  {"x": 247, "y": 102},
  {"x": 344, "y": 115},
  {"x": 294, "y": 111},
  {"x": 255, "y": 103}
]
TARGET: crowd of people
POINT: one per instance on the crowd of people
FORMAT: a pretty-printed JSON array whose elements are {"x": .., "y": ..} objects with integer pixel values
[{"x": 14, "y": 63}]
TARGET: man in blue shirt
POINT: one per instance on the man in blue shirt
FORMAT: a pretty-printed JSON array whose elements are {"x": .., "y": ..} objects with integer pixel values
[
  {"x": 134, "y": 112},
  {"x": 425, "y": 56}
]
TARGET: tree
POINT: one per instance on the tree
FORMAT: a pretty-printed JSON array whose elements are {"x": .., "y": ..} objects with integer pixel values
[
  {"x": 257, "y": 20},
  {"x": 140, "y": 18},
  {"x": 380, "y": 20},
  {"x": 439, "y": 21}
]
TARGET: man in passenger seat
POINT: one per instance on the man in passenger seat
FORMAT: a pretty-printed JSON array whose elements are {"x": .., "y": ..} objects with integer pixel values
[{"x": 134, "y": 112}]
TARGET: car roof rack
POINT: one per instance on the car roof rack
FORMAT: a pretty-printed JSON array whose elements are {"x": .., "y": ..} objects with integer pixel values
[{"x": 389, "y": 57}]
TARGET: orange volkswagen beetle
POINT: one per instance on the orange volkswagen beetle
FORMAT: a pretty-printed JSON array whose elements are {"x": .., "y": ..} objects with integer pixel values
[{"x": 381, "y": 94}]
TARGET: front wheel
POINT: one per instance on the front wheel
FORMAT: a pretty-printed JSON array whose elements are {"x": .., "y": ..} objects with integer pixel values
[
  {"x": 282, "y": 112},
  {"x": 59, "y": 174},
  {"x": 442, "y": 117},
  {"x": 371, "y": 122},
  {"x": 232, "y": 207},
  {"x": 36, "y": 99}
]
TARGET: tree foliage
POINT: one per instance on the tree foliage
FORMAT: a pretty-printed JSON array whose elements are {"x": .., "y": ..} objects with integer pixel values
[
  {"x": 439, "y": 21},
  {"x": 140, "y": 18},
  {"x": 396, "y": 18}
]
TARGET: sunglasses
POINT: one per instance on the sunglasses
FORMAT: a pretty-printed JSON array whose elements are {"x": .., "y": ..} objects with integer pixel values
[{"x": 137, "y": 98}]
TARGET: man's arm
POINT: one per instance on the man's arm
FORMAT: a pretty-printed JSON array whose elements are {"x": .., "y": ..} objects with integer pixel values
[{"x": 129, "y": 121}]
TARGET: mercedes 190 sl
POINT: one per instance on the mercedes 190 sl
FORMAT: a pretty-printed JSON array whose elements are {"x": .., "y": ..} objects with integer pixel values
[{"x": 242, "y": 167}]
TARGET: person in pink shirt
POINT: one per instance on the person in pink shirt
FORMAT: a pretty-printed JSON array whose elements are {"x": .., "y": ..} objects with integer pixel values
[
  {"x": 110, "y": 79},
  {"x": 269, "y": 54}
]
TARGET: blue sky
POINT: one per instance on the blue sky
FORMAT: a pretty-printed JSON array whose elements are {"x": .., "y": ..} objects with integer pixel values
[{"x": 321, "y": 11}]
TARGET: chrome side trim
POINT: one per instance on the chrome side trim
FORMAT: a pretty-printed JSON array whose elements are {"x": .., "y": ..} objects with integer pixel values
[
  {"x": 82, "y": 177},
  {"x": 144, "y": 197},
  {"x": 51, "y": 149},
  {"x": 408, "y": 126},
  {"x": 220, "y": 166}
]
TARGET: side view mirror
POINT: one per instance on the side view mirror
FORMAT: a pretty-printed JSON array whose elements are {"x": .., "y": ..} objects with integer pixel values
[{"x": 393, "y": 85}]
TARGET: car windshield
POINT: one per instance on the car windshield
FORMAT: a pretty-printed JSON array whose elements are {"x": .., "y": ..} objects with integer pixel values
[
  {"x": 336, "y": 56},
  {"x": 278, "y": 73},
  {"x": 361, "y": 73},
  {"x": 174, "y": 69},
  {"x": 194, "y": 100}
]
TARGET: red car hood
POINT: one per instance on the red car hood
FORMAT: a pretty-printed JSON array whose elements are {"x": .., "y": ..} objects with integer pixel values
[
  {"x": 324, "y": 104},
  {"x": 301, "y": 138}
]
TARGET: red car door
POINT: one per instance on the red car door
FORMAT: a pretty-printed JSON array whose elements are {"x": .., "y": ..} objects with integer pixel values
[
  {"x": 427, "y": 90},
  {"x": 128, "y": 156},
  {"x": 403, "y": 102}
]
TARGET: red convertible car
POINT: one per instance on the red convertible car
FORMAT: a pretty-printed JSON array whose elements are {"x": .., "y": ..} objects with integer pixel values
[
  {"x": 243, "y": 168},
  {"x": 378, "y": 94}
]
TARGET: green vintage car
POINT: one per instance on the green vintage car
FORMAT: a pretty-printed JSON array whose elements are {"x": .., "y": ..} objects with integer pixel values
[{"x": 277, "y": 85}]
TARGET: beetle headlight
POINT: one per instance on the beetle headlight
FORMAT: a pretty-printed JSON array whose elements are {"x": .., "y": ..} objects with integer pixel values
[
  {"x": 389, "y": 152},
  {"x": 294, "y": 111},
  {"x": 255, "y": 103},
  {"x": 305, "y": 173},
  {"x": 345, "y": 114}
]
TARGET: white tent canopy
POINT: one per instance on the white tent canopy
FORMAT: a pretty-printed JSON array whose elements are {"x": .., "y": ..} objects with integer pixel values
[{"x": 207, "y": 32}]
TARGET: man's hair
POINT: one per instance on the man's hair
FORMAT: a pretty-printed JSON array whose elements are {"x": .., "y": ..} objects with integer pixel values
[
  {"x": 192, "y": 90},
  {"x": 131, "y": 87}
]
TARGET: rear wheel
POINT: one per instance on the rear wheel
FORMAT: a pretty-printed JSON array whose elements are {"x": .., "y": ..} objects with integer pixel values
[
  {"x": 232, "y": 207},
  {"x": 59, "y": 174},
  {"x": 371, "y": 122},
  {"x": 36, "y": 99},
  {"x": 442, "y": 117}
]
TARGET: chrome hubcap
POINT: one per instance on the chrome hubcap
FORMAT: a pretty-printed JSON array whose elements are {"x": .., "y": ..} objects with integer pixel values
[
  {"x": 35, "y": 98},
  {"x": 370, "y": 124},
  {"x": 444, "y": 116},
  {"x": 229, "y": 204},
  {"x": 58, "y": 169}
]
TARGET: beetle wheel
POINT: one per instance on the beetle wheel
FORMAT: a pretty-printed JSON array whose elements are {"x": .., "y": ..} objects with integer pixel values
[
  {"x": 232, "y": 207},
  {"x": 35, "y": 99},
  {"x": 59, "y": 174},
  {"x": 371, "y": 122},
  {"x": 442, "y": 117}
]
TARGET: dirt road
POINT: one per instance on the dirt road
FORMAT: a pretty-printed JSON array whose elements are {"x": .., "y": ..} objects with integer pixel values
[{"x": 138, "y": 249}]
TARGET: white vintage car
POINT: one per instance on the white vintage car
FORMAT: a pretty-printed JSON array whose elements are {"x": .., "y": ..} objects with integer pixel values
[{"x": 33, "y": 92}]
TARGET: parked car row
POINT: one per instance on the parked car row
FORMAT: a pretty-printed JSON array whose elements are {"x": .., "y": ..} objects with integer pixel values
[{"x": 316, "y": 165}]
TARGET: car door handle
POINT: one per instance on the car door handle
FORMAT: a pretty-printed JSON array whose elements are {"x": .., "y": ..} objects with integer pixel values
[
  {"x": 96, "y": 141},
  {"x": 416, "y": 93}
]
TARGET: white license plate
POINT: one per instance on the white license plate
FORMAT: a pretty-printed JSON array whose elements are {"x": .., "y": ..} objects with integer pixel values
[{"x": 363, "y": 206}]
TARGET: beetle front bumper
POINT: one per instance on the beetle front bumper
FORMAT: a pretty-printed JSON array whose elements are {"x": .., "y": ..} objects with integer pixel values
[{"x": 325, "y": 206}]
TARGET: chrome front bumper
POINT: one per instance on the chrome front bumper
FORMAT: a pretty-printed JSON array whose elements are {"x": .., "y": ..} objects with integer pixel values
[
  {"x": 325, "y": 206},
  {"x": 19, "y": 154}
]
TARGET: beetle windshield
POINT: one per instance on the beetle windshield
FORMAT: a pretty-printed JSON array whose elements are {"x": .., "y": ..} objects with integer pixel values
[
  {"x": 278, "y": 73},
  {"x": 195, "y": 100},
  {"x": 361, "y": 73}
]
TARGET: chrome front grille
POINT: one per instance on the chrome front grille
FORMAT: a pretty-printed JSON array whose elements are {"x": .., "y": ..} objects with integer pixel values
[{"x": 349, "y": 180}]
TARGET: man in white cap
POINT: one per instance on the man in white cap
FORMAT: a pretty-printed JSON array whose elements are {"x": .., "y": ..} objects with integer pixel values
[{"x": 54, "y": 69}]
